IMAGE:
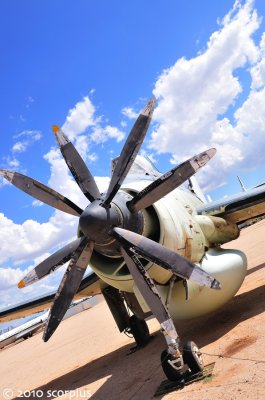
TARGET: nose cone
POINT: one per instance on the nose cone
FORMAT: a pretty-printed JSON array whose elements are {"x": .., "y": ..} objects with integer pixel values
[{"x": 96, "y": 222}]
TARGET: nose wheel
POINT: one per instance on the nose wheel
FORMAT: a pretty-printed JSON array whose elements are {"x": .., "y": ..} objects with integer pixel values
[
  {"x": 173, "y": 368},
  {"x": 193, "y": 357},
  {"x": 186, "y": 365}
]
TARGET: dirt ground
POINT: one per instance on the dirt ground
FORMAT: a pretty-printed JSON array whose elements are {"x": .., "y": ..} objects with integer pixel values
[{"x": 87, "y": 356}]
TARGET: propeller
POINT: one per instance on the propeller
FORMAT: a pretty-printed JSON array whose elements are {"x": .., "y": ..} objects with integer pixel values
[
  {"x": 169, "y": 181},
  {"x": 78, "y": 168},
  {"x": 41, "y": 192},
  {"x": 129, "y": 151},
  {"x": 51, "y": 263},
  {"x": 166, "y": 258},
  {"x": 68, "y": 287},
  {"x": 112, "y": 223},
  {"x": 145, "y": 285}
]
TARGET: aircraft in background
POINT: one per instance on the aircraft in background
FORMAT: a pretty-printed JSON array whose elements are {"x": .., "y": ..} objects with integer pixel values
[
  {"x": 154, "y": 247},
  {"x": 23, "y": 331},
  {"x": 27, "y": 329},
  {"x": 244, "y": 188}
]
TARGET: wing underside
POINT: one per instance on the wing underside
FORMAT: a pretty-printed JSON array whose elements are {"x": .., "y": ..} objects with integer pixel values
[
  {"x": 244, "y": 208},
  {"x": 90, "y": 286}
]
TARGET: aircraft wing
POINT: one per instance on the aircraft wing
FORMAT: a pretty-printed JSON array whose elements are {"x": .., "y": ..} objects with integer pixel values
[
  {"x": 90, "y": 286},
  {"x": 241, "y": 208}
]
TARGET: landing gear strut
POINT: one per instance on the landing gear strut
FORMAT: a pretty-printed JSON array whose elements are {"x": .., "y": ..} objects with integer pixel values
[
  {"x": 174, "y": 363},
  {"x": 139, "y": 330}
]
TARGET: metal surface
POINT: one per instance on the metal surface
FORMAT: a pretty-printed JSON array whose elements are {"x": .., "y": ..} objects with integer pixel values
[
  {"x": 41, "y": 192},
  {"x": 152, "y": 297},
  {"x": 237, "y": 208},
  {"x": 130, "y": 150},
  {"x": 167, "y": 258},
  {"x": 146, "y": 286},
  {"x": 217, "y": 230},
  {"x": 169, "y": 181},
  {"x": 51, "y": 263},
  {"x": 68, "y": 287},
  {"x": 96, "y": 222},
  {"x": 78, "y": 168}
]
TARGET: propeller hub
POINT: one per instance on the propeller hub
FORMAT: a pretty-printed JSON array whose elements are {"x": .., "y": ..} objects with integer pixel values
[{"x": 97, "y": 223}]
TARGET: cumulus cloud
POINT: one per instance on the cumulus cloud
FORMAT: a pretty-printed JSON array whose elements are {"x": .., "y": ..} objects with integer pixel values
[
  {"x": 28, "y": 138},
  {"x": 194, "y": 96},
  {"x": 9, "y": 278},
  {"x": 102, "y": 134},
  {"x": 79, "y": 118},
  {"x": 129, "y": 112},
  {"x": 33, "y": 238},
  {"x": 84, "y": 128}
]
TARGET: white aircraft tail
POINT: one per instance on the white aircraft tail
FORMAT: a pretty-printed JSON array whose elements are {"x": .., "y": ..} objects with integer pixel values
[{"x": 194, "y": 187}]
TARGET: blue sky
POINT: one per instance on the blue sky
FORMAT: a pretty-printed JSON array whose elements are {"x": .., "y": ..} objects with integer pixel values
[{"x": 90, "y": 67}]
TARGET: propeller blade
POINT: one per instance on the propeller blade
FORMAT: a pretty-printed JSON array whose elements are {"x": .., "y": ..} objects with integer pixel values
[
  {"x": 169, "y": 181},
  {"x": 130, "y": 150},
  {"x": 146, "y": 286},
  {"x": 78, "y": 168},
  {"x": 41, "y": 192},
  {"x": 68, "y": 287},
  {"x": 164, "y": 257},
  {"x": 51, "y": 263}
]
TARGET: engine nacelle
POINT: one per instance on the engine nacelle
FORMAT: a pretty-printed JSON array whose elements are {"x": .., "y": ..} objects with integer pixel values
[
  {"x": 170, "y": 221},
  {"x": 217, "y": 230},
  {"x": 228, "y": 266},
  {"x": 173, "y": 222}
]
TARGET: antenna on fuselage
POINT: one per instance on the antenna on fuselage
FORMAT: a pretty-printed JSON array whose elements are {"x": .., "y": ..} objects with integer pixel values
[{"x": 244, "y": 189}]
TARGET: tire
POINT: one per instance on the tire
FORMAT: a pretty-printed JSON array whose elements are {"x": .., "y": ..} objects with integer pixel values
[
  {"x": 171, "y": 373},
  {"x": 139, "y": 330},
  {"x": 192, "y": 357}
]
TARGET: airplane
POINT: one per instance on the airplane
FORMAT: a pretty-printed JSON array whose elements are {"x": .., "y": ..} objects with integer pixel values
[
  {"x": 26, "y": 329},
  {"x": 23, "y": 331},
  {"x": 153, "y": 245}
]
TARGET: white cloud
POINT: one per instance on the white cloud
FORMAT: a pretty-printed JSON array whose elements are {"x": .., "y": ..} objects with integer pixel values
[
  {"x": 30, "y": 137},
  {"x": 92, "y": 157},
  {"x": 33, "y": 238},
  {"x": 19, "y": 147},
  {"x": 10, "y": 277},
  {"x": 12, "y": 295},
  {"x": 37, "y": 203},
  {"x": 258, "y": 70},
  {"x": 84, "y": 128},
  {"x": 102, "y": 134},
  {"x": 129, "y": 112},
  {"x": 29, "y": 101},
  {"x": 79, "y": 118},
  {"x": 12, "y": 162},
  {"x": 194, "y": 95}
]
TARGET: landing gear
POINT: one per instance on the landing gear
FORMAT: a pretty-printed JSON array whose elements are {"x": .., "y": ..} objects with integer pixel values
[
  {"x": 139, "y": 329},
  {"x": 186, "y": 365},
  {"x": 172, "y": 360},
  {"x": 192, "y": 357},
  {"x": 172, "y": 367}
]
